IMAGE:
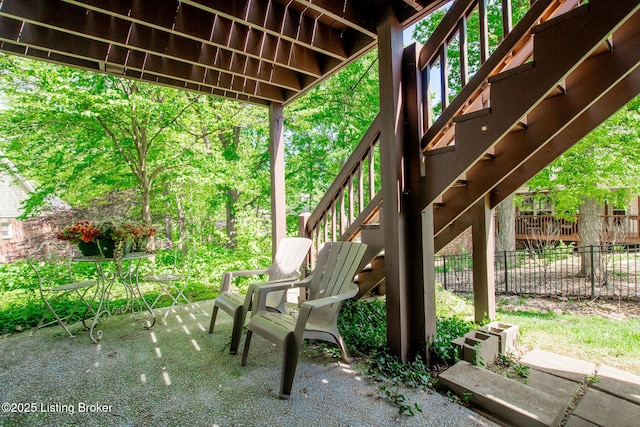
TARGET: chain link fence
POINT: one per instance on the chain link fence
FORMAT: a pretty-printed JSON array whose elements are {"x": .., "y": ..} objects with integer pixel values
[{"x": 582, "y": 272}]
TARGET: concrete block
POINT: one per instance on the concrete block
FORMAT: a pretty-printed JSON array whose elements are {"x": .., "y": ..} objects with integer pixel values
[
  {"x": 515, "y": 403},
  {"x": 479, "y": 346},
  {"x": 458, "y": 343},
  {"x": 561, "y": 366},
  {"x": 507, "y": 334},
  {"x": 561, "y": 388},
  {"x": 573, "y": 421}
]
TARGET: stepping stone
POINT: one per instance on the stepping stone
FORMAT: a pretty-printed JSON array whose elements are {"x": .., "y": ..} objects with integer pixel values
[
  {"x": 561, "y": 366},
  {"x": 504, "y": 398},
  {"x": 561, "y": 388},
  {"x": 574, "y": 421},
  {"x": 607, "y": 410},
  {"x": 624, "y": 385}
]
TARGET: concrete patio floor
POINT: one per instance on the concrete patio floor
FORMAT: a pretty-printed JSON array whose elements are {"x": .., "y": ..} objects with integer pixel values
[{"x": 176, "y": 374}]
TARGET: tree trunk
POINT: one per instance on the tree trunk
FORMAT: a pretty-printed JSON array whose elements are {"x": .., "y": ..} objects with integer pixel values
[
  {"x": 589, "y": 235},
  {"x": 230, "y": 154},
  {"x": 168, "y": 230},
  {"x": 506, "y": 239},
  {"x": 182, "y": 220},
  {"x": 231, "y": 195},
  {"x": 506, "y": 226},
  {"x": 146, "y": 203}
]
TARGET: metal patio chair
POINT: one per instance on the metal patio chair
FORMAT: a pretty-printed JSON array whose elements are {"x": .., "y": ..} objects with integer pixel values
[
  {"x": 174, "y": 283},
  {"x": 52, "y": 265}
]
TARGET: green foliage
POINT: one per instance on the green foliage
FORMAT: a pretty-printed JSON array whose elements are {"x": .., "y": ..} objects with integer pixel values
[
  {"x": 392, "y": 372},
  {"x": 400, "y": 400},
  {"x": 509, "y": 360},
  {"x": 84, "y": 137},
  {"x": 363, "y": 325},
  {"x": 21, "y": 306},
  {"x": 614, "y": 343},
  {"x": 447, "y": 329},
  {"x": 386, "y": 367}
]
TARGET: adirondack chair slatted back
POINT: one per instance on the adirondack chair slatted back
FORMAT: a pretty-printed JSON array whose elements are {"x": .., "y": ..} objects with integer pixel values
[
  {"x": 339, "y": 269},
  {"x": 340, "y": 265},
  {"x": 289, "y": 257}
]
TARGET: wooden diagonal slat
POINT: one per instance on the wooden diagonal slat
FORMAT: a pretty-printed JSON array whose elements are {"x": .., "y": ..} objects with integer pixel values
[
  {"x": 127, "y": 33},
  {"x": 137, "y": 61}
]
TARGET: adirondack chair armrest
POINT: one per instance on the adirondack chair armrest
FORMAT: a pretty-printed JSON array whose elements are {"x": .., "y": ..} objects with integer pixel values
[
  {"x": 228, "y": 277},
  {"x": 248, "y": 300},
  {"x": 264, "y": 288},
  {"x": 321, "y": 302},
  {"x": 308, "y": 306}
]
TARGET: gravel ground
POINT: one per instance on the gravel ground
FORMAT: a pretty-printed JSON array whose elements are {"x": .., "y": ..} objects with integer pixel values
[{"x": 177, "y": 375}]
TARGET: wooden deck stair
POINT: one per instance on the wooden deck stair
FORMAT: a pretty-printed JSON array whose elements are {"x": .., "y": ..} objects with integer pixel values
[
  {"x": 534, "y": 112},
  {"x": 602, "y": 78}
]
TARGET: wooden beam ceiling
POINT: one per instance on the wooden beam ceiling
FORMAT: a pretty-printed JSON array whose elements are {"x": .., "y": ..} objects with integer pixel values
[{"x": 258, "y": 51}]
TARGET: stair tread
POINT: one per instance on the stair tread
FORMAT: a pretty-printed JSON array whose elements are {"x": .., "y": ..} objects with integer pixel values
[
  {"x": 472, "y": 115},
  {"x": 561, "y": 18},
  {"x": 510, "y": 400},
  {"x": 373, "y": 226},
  {"x": 440, "y": 150},
  {"x": 605, "y": 47},
  {"x": 557, "y": 91},
  {"x": 512, "y": 72}
]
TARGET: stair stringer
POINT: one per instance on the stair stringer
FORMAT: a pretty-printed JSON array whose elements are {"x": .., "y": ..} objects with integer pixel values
[
  {"x": 478, "y": 132},
  {"x": 617, "y": 97},
  {"x": 588, "y": 84}
]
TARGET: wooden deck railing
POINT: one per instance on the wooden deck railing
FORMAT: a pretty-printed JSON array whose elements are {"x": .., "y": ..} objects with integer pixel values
[
  {"x": 614, "y": 228},
  {"x": 471, "y": 94},
  {"x": 353, "y": 198}
]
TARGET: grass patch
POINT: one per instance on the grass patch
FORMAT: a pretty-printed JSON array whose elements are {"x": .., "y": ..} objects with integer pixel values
[{"x": 603, "y": 341}]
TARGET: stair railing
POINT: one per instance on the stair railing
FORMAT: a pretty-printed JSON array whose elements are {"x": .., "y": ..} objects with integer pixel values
[
  {"x": 352, "y": 199},
  {"x": 515, "y": 49}
]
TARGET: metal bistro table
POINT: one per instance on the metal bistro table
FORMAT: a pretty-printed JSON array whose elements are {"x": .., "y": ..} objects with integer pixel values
[{"x": 127, "y": 274}]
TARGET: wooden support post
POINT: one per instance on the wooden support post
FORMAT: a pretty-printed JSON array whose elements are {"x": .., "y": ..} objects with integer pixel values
[
  {"x": 391, "y": 153},
  {"x": 420, "y": 253},
  {"x": 484, "y": 293},
  {"x": 428, "y": 278},
  {"x": 309, "y": 263},
  {"x": 276, "y": 157}
]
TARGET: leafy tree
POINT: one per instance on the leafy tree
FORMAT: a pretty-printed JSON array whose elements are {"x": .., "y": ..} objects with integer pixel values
[
  {"x": 602, "y": 168},
  {"x": 82, "y": 135},
  {"x": 324, "y": 126},
  {"x": 66, "y": 127}
]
